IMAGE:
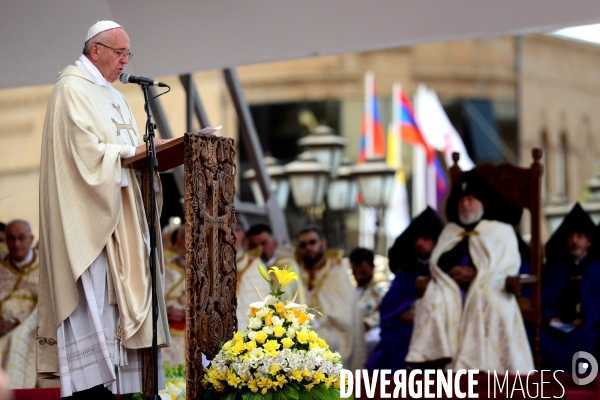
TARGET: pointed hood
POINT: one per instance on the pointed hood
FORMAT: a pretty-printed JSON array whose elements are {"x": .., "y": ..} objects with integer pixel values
[
  {"x": 426, "y": 224},
  {"x": 496, "y": 207},
  {"x": 577, "y": 220}
]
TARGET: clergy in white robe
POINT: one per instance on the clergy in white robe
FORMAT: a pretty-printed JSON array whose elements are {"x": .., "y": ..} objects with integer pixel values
[
  {"x": 329, "y": 287},
  {"x": 95, "y": 287},
  {"x": 465, "y": 319},
  {"x": 18, "y": 305}
]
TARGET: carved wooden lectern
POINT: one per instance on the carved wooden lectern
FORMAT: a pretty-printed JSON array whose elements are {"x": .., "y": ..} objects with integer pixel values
[{"x": 211, "y": 279}]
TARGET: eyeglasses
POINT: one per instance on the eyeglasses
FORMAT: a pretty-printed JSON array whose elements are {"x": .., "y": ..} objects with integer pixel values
[
  {"x": 120, "y": 53},
  {"x": 311, "y": 242}
]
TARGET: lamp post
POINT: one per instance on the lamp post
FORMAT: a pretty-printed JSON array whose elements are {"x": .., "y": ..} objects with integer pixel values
[
  {"x": 308, "y": 182},
  {"x": 327, "y": 147},
  {"x": 375, "y": 180},
  {"x": 279, "y": 183}
]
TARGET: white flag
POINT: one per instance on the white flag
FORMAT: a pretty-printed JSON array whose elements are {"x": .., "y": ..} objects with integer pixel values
[{"x": 437, "y": 129}]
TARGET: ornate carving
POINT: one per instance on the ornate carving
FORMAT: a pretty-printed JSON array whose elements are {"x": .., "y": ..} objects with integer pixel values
[
  {"x": 48, "y": 341},
  {"x": 210, "y": 257}
]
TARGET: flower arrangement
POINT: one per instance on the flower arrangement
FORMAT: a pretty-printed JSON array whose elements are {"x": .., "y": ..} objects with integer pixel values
[{"x": 278, "y": 356}]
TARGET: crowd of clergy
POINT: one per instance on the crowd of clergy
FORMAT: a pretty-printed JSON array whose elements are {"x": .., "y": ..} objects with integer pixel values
[{"x": 372, "y": 313}]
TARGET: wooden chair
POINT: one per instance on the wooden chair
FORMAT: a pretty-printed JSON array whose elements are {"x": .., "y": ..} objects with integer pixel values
[{"x": 521, "y": 187}]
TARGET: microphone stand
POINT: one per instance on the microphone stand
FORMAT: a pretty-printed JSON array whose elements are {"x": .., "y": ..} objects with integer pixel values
[{"x": 152, "y": 167}]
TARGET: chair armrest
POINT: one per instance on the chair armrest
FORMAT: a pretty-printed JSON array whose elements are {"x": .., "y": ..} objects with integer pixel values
[{"x": 514, "y": 284}]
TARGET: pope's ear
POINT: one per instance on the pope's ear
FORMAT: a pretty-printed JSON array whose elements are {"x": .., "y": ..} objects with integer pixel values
[{"x": 325, "y": 243}]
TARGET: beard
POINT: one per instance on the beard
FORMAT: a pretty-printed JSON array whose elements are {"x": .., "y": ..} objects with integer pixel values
[
  {"x": 470, "y": 217},
  {"x": 318, "y": 255}
]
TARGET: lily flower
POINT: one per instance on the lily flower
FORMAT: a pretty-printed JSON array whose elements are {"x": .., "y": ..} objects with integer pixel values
[
  {"x": 295, "y": 306},
  {"x": 284, "y": 276},
  {"x": 267, "y": 301}
]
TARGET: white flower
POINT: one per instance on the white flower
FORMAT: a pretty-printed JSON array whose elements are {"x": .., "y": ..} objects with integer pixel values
[
  {"x": 252, "y": 335},
  {"x": 296, "y": 325},
  {"x": 268, "y": 330},
  {"x": 277, "y": 321},
  {"x": 291, "y": 333},
  {"x": 295, "y": 306},
  {"x": 310, "y": 316},
  {"x": 256, "y": 353},
  {"x": 267, "y": 301},
  {"x": 254, "y": 323},
  {"x": 262, "y": 313},
  {"x": 291, "y": 317}
]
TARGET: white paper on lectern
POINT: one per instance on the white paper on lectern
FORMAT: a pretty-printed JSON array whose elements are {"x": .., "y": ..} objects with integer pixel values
[{"x": 208, "y": 130}]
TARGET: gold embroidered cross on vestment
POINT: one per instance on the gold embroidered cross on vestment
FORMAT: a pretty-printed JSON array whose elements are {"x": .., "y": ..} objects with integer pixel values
[{"x": 125, "y": 126}]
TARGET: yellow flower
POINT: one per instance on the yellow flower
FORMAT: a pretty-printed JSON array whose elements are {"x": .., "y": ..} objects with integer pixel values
[
  {"x": 253, "y": 311},
  {"x": 287, "y": 343},
  {"x": 281, "y": 381},
  {"x": 306, "y": 373},
  {"x": 227, "y": 345},
  {"x": 279, "y": 331},
  {"x": 261, "y": 337},
  {"x": 323, "y": 344},
  {"x": 279, "y": 307},
  {"x": 269, "y": 319},
  {"x": 238, "y": 337},
  {"x": 318, "y": 377},
  {"x": 271, "y": 347},
  {"x": 274, "y": 369},
  {"x": 296, "y": 375},
  {"x": 284, "y": 276},
  {"x": 233, "y": 379},
  {"x": 302, "y": 337},
  {"x": 312, "y": 336},
  {"x": 250, "y": 345},
  {"x": 313, "y": 345},
  {"x": 252, "y": 385},
  {"x": 238, "y": 348},
  {"x": 302, "y": 317},
  {"x": 309, "y": 386},
  {"x": 263, "y": 273}
]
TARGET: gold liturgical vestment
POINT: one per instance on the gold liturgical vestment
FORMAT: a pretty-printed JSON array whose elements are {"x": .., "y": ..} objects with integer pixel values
[
  {"x": 86, "y": 209},
  {"x": 485, "y": 332},
  {"x": 19, "y": 302}
]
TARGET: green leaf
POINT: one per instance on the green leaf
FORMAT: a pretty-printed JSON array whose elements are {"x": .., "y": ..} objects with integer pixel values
[
  {"x": 286, "y": 393},
  {"x": 335, "y": 394},
  {"x": 229, "y": 395},
  {"x": 252, "y": 396},
  {"x": 305, "y": 394},
  {"x": 320, "y": 392}
]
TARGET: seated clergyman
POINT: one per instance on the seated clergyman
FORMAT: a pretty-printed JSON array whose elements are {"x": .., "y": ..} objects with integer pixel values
[
  {"x": 466, "y": 320},
  {"x": 571, "y": 292}
]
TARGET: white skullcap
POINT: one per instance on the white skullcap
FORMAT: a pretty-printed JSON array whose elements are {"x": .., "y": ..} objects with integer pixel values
[{"x": 101, "y": 26}]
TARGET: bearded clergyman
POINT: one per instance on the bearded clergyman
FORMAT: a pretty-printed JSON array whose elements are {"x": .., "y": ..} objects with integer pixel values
[
  {"x": 95, "y": 296},
  {"x": 465, "y": 319}
]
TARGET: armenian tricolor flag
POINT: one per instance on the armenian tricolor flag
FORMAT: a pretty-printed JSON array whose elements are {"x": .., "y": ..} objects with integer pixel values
[{"x": 372, "y": 136}]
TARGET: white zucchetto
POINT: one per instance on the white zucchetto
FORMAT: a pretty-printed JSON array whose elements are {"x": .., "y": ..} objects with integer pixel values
[{"x": 101, "y": 26}]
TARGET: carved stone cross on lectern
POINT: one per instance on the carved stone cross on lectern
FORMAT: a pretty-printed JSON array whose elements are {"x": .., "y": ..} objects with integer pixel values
[{"x": 210, "y": 251}]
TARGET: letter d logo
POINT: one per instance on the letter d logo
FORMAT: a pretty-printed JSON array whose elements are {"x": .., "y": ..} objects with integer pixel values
[{"x": 584, "y": 368}]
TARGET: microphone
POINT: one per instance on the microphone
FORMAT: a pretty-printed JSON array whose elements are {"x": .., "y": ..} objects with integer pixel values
[{"x": 140, "y": 80}]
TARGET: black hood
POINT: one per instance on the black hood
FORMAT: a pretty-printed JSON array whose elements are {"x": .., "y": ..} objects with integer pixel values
[
  {"x": 426, "y": 224},
  {"x": 495, "y": 206},
  {"x": 577, "y": 220}
]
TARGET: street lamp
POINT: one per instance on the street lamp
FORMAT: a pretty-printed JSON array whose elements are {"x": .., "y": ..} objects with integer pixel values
[
  {"x": 279, "y": 183},
  {"x": 342, "y": 192},
  {"x": 375, "y": 180},
  {"x": 327, "y": 147},
  {"x": 308, "y": 180}
]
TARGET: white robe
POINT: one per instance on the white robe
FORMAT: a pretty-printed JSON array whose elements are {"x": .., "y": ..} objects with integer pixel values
[{"x": 487, "y": 331}]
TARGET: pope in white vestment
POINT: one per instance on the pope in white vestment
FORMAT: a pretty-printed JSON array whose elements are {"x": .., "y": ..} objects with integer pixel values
[
  {"x": 95, "y": 315},
  {"x": 465, "y": 319}
]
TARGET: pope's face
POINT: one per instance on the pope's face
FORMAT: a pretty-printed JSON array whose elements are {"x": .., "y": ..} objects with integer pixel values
[{"x": 107, "y": 59}]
